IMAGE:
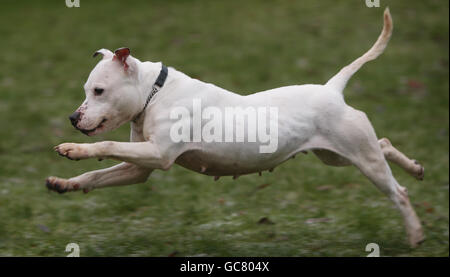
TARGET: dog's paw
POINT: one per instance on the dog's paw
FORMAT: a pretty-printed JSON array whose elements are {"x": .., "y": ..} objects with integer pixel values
[
  {"x": 419, "y": 172},
  {"x": 416, "y": 237},
  {"x": 72, "y": 151},
  {"x": 61, "y": 185}
]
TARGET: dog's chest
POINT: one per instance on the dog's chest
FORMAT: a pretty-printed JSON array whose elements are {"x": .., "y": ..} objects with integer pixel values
[{"x": 137, "y": 133}]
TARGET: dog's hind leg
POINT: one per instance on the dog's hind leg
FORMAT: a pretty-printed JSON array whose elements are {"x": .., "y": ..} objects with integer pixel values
[
  {"x": 118, "y": 175},
  {"x": 393, "y": 155},
  {"x": 375, "y": 167},
  {"x": 357, "y": 142},
  {"x": 390, "y": 153}
]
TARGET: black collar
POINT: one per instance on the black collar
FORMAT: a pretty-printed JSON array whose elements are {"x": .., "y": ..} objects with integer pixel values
[{"x": 159, "y": 83}]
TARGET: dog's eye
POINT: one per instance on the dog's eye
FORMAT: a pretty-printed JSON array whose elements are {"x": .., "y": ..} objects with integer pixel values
[{"x": 98, "y": 91}]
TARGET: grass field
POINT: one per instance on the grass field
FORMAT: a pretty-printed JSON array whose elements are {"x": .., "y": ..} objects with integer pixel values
[{"x": 244, "y": 46}]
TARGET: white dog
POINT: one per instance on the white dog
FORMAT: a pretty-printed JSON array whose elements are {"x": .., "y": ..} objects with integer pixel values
[{"x": 122, "y": 89}]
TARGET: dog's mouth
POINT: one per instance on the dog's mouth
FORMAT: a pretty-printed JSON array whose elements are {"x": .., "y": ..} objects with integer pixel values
[{"x": 91, "y": 131}]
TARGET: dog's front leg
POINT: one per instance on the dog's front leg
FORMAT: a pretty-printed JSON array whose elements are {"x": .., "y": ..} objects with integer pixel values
[
  {"x": 118, "y": 175},
  {"x": 145, "y": 154}
]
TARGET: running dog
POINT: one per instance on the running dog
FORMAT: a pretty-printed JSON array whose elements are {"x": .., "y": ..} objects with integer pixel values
[{"x": 311, "y": 117}]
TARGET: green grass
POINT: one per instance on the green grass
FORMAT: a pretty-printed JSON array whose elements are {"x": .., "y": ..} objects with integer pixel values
[{"x": 244, "y": 46}]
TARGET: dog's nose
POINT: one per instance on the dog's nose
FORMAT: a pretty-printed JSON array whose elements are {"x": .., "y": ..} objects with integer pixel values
[{"x": 74, "y": 118}]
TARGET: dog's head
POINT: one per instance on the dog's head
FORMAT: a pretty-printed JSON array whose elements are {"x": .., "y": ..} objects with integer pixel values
[{"x": 112, "y": 97}]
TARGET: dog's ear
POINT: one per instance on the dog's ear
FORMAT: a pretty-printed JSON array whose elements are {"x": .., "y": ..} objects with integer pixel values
[
  {"x": 121, "y": 55},
  {"x": 104, "y": 52}
]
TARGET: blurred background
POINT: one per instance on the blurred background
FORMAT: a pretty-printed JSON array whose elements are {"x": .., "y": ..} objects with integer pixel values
[{"x": 303, "y": 208}]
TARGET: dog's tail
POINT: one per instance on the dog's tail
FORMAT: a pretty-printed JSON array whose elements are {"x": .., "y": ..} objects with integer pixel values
[{"x": 339, "y": 80}]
